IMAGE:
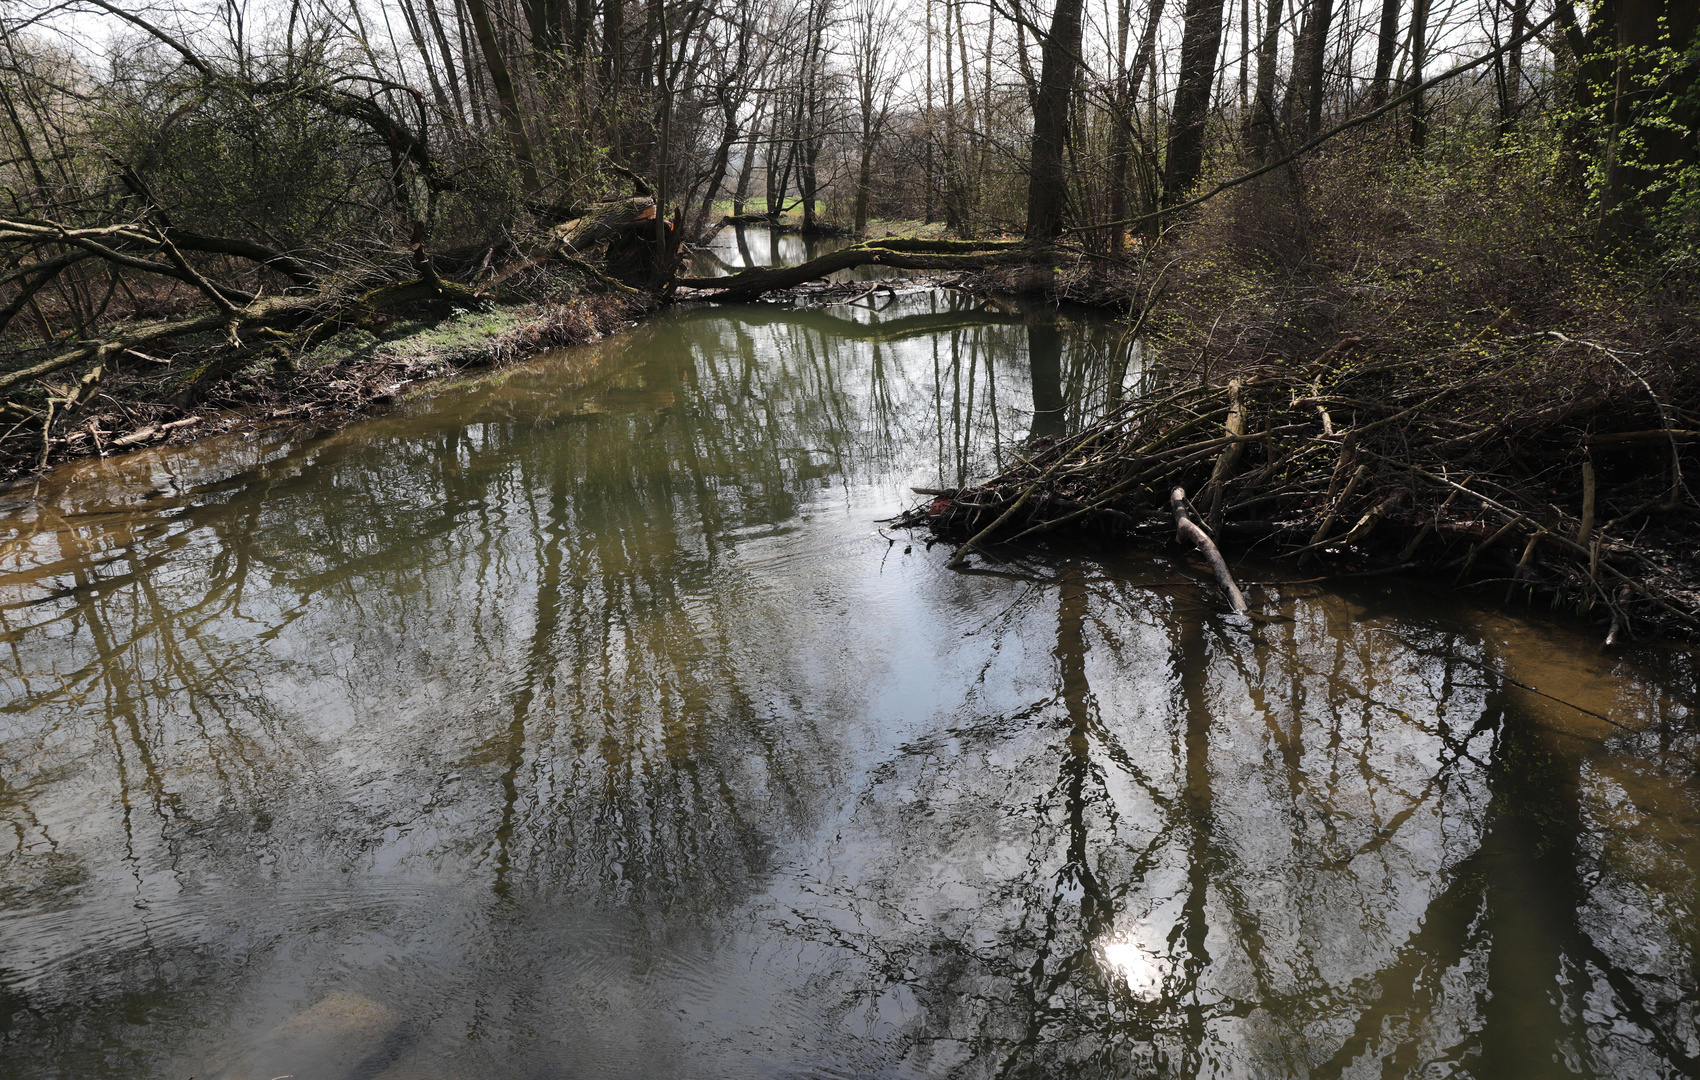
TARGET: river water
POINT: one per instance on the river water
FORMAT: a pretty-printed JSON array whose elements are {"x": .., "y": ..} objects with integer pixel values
[{"x": 581, "y": 721}]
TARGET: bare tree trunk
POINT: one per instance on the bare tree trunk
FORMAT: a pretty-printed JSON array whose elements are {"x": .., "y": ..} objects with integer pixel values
[
  {"x": 1245, "y": 50},
  {"x": 871, "y": 35},
  {"x": 717, "y": 173},
  {"x": 1200, "y": 42},
  {"x": 1260, "y": 124},
  {"x": 613, "y": 43},
  {"x": 1386, "y": 46},
  {"x": 414, "y": 28},
  {"x": 952, "y": 204},
  {"x": 968, "y": 192},
  {"x": 1509, "y": 102},
  {"x": 1047, "y": 189},
  {"x": 450, "y": 68},
  {"x": 1121, "y": 129},
  {"x": 579, "y": 42},
  {"x": 506, "y": 98},
  {"x": 543, "y": 19},
  {"x": 1308, "y": 64},
  {"x": 776, "y": 195},
  {"x": 1419, "y": 49},
  {"x": 475, "y": 74},
  {"x": 748, "y": 166},
  {"x": 814, "y": 59},
  {"x": 1024, "y": 58},
  {"x": 928, "y": 125}
]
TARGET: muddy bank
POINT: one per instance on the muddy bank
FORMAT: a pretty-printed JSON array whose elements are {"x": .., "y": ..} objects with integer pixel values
[{"x": 356, "y": 372}]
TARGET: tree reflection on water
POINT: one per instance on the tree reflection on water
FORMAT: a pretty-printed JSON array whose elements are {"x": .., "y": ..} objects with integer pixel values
[{"x": 580, "y": 718}]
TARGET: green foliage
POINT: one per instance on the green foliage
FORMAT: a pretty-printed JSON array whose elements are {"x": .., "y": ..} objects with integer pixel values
[
  {"x": 229, "y": 162},
  {"x": 1677, "y": 218},
  {"x": 1633, "y": 121}
]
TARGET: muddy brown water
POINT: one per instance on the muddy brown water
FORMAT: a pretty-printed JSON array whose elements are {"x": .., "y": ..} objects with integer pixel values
[{"x": 580, "y": 721}]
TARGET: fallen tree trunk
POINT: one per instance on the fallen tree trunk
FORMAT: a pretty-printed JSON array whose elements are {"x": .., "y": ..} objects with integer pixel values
[
  {"x": 288, "y": 313},
  {"x": 896, "y": 253},
  {"x": 603, "y": 222}
]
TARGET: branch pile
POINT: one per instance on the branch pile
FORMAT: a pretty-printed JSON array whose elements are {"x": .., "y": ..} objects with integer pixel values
[{"x": 1577, "y": 494}]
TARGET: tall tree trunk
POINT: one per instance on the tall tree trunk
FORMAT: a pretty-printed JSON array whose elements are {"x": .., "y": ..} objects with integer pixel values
[
  {"x": 613, "y": 43},
  {"x": 928, "y": 125},
  {"x": 1511, "y": 100},
  {"x": 808, "y": 185},
  {"x": 476, "y": 92},
  {"x": 506, "y": 98},
  {"x": 415, "y": 29},
  {"x": 984, "y": 156},
  {"x": 809, "y": 127},
  {"x": 952, "y": 205},
  {"x": 1245, "y": 51},
  {"x": 1121, "y": 125},
  {"x": 646, "y": 44},
  {"x": 1200, "y": 42},
  {"x": 450, "y": 69},
  {"x": 1260, "y": 125},
  {"x": 579, "y": 41},
  {"x": 747, "y": 167},
  {"x": 1386, "y": 47},
  {"x": 543, "y": 19},
  {"x": 967, "y": 185},
  {"x": 1147, "y": 47},
  {"x": 1639, "y": 155},
  {"x": 1419, "y": 53},
  {"x": 864, "y": 177},
  {"x": 1047, "y": 188},
  {"x": 776, "y": 195},
  {"x": 1024, "y": 58},
  {"x": 1309, "y": 62},
  {"x": 717, "y": 173}
]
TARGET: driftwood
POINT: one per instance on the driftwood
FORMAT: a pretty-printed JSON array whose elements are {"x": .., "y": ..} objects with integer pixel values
[{"x": 1188, "y": 532}]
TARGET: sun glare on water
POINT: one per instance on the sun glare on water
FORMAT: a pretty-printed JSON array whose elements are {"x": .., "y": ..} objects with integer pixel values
[{"x": 1130, "y": 961}]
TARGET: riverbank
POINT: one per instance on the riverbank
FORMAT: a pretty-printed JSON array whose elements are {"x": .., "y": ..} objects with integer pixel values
[{"x": 357, "y": 371}]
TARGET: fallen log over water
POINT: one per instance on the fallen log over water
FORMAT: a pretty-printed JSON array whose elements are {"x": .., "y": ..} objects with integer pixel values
[
  {"x": 1421, "y": 464},
  {"x": 901, "y": 254}
]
